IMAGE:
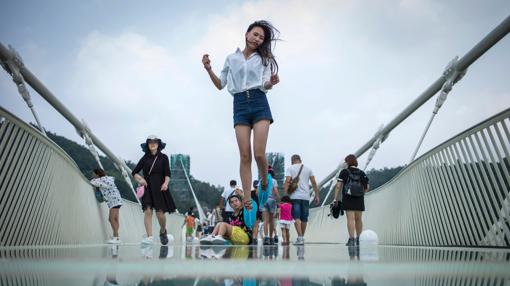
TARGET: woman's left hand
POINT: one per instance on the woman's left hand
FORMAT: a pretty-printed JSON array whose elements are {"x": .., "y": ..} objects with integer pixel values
[
  {"x": 164, "y": 187},
  {"x": 275, "y": 79},
  {"x": 248, "y": 205}
]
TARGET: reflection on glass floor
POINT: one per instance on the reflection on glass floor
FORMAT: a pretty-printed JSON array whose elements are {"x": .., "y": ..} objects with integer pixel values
[{"x": 311, "y": 264}]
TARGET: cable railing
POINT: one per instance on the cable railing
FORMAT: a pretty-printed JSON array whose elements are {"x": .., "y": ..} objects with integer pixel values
[
  {"x": 457, "y": 194},
  {"x": 14, "y": 66},
  {"x": 46, "y": 200},
  {"x": 453, "y": 72}
]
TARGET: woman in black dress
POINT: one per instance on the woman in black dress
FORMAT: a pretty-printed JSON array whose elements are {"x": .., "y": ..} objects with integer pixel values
[
  {"x": 354, "y": 184},
  {"x": 156, "y": 177}
]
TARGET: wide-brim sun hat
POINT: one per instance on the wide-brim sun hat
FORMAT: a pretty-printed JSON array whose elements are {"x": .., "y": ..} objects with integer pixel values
[{"x": 145, "y": 146}]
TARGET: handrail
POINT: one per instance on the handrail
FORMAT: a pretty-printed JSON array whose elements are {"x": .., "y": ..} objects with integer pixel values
[
  {"x": 457, "y": 66},
  {"x": 7, "y": 55}
]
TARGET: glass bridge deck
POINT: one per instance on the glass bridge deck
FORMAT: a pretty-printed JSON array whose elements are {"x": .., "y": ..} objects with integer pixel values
[{"x": 311, "y": 264}]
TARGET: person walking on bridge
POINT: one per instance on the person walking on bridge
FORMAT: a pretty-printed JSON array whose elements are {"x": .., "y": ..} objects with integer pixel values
[
  {"x": 354, "y": 184},
  {"x": 250, "y": 73},
  {"x": 300, "y": 194},
  {"x": 156, "y": 177}
]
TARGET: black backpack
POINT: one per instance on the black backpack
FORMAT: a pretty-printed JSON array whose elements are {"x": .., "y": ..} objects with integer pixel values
[{"x": 353, "y": 186}]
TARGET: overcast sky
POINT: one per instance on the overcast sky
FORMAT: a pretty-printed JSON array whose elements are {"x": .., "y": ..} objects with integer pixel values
[{"x": 133, "y": 68}]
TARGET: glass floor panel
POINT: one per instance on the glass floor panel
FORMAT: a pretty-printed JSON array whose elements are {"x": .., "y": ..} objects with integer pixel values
[{"x": 311, "y": 264}]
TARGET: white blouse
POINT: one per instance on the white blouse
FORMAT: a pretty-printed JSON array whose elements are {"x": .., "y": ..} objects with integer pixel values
[{"x": 243, "y": 74}]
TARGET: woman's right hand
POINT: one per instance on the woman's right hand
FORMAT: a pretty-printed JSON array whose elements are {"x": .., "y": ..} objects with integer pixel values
[
  {"x": 207, "y": 62},
  {"x": 143, "y": 182}
]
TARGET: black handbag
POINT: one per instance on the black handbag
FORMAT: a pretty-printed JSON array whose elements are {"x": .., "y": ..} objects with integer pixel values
[{"x": 335, "y": 210}]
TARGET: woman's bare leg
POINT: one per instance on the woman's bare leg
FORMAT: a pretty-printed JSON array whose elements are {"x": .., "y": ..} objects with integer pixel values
[
  {"x": 225, "y": 229},
  {"x": 350, "y": 223},
  {"x": 271, "y": 225},
  {"x": 255, "y": 230},
  {"x": 147, "y": 220},
  {"x": 114, "y": 221},
  {"x": 216, "y": 229},
  {"x": 162, "y": 221},
  {"x": 265, "y": 218},
  {"x": 243, "y": 134},
  {"x": 260, "y": 135},
  {"x": 359, "y": 222}
]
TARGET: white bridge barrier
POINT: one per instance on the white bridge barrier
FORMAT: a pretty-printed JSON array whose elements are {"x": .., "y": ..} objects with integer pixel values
[
  {"x": 45, "y": 199},
  {"x": 457, "y": 194}
]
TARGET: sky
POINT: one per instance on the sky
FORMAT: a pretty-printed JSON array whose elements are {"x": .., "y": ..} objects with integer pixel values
[{"x": 133, "y": 68}]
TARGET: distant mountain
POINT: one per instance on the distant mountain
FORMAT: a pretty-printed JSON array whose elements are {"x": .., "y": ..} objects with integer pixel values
[
  {"x": 207, "y": 194},
  {"x": 379, "y": 177},
  {"x": 87, "y": 163},
  {"x": 376, "y": 177}
]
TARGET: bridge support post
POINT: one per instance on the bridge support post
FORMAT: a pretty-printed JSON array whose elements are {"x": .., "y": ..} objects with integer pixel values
[{"x": 201, "y": 213}]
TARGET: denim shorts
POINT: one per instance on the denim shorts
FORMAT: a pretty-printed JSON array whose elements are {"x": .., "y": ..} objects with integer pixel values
[
  {"x": 300, "y": 209},
  {"x": 269, "y": 206},
  {"x": 250, "y": 107}
]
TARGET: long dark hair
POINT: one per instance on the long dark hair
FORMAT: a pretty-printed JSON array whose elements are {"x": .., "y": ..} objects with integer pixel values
[{"x": 270, "y": 35}]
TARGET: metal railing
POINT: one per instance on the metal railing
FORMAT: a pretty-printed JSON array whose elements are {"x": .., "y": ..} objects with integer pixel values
[
  {"x": 451, "y": 75},
  {"x": 45, "y": 199},
  {"x": 457, "y": 194},
  {"x": 13, "y": 64},
  {"x": 444, "y": 174}
]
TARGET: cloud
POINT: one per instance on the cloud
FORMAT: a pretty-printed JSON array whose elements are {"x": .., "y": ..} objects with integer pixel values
[
  {"x": 126, "y": 69},
  {"x": 126, "y": 85},
  {"x": 346, "y": 67}
]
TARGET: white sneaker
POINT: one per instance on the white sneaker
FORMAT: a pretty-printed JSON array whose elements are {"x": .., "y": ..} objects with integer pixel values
[
  {"x": 148, "y": 240},
  {"x": 207, "y": 240},
  {"x": 218, "y": 240},
  {"x": 114, "y": 240},
  {"x": 299, "y": 241},
  {"x": 207, "y": 253},
  {"x": 147, "y": 251},
  {"x": 114, "y": 250}
]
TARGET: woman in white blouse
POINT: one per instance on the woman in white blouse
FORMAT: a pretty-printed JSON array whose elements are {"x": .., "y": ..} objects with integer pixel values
[{"x": 248, "y": 75}]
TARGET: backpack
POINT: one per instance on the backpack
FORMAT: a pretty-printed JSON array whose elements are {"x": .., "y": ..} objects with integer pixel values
[
  {"x": 293, "y": 185},
  {"x": 353, "y": 186}
]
